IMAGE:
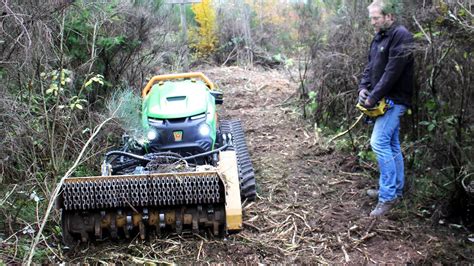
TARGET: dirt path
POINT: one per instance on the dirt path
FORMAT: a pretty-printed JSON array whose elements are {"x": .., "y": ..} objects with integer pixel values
[{"x": 311, "y": 205}]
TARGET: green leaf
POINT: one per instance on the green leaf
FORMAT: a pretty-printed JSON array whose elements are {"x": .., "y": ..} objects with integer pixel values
[
  {"x": 430, "y": 105},
  {"x": 451, "y": 120},
  {"x": 418, "y": 35},
  {"x": 431, "y": 127},
  {"x": 53, "y": 88},
  {"x": 97, "y": 79}
]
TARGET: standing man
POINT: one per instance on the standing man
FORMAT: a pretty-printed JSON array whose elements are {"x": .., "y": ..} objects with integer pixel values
[{"x": 389, "y": 75}]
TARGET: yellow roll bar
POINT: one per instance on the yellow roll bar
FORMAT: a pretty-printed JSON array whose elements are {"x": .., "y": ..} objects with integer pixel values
[{"x": 155, "y": 79}]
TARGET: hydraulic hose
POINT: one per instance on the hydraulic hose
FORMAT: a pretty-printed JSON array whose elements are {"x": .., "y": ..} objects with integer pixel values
[
  {"x": 172, "y": 155},
  {"x": 127, "y": 154},
  {"x": 206, "y": 153}
]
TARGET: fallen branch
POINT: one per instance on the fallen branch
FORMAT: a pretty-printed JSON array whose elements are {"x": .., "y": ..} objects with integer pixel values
[
  {"x": 340, "y": 182},
  {"x": 199, "y": 252},
  {"x": 252, "y": 226},
  {"x": 362, "y": 239},
  {"x": 343, "y": 248},
  {"x": 347, "y": 131}
]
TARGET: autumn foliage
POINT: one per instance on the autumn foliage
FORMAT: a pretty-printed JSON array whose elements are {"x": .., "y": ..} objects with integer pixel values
[{"x": 203, "y": 38}]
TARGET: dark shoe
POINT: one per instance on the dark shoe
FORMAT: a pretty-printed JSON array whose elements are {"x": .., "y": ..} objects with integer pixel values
[
  {"x": 373, "y": 193},
  {"x": 383, "y": 208}
]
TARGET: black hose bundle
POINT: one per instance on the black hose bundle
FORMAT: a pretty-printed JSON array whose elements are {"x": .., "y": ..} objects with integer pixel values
[{"x": 136, "y": 160}]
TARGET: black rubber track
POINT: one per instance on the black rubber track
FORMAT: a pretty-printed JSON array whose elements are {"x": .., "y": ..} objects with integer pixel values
[{"x": 244, "y": 164}]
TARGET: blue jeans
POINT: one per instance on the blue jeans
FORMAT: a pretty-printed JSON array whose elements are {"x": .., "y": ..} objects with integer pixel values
[{"x": 385, "y": 143}]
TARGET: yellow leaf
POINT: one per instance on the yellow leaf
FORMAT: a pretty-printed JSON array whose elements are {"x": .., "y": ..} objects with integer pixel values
[
  {"x": 53, "y": 88},
  {"x": 458, "y": 68},
  {"x": 203, "y": 38},
  {"x": 62, "y": 76},
  {"x": 88, "y": 83}
]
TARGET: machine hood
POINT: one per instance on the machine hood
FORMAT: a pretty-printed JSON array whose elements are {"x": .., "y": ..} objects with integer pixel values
[{"x": 170, "y": 100}]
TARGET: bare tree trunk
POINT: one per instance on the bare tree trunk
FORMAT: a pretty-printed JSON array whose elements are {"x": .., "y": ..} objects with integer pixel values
[
  {"x": 247, "y": 34},
  {"x": 185, "y": 37}
]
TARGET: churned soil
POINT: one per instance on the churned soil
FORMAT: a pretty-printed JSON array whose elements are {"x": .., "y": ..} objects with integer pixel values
[{"x": 311, "y": 205}]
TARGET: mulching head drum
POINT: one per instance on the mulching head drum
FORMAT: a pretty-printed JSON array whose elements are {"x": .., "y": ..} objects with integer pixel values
[{"x": 116, "y": 206}]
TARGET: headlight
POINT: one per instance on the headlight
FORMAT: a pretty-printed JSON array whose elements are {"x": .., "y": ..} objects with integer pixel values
[
  {"x": 204, "y": 130},
  {"x": 152, "y": 134}
]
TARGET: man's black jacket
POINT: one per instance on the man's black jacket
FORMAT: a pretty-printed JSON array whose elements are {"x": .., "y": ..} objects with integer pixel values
[{"x": 389, "y": 72}]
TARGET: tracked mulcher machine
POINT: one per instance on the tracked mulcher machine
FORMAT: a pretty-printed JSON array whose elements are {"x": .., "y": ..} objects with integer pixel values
[{"x": 190, "y": 174}]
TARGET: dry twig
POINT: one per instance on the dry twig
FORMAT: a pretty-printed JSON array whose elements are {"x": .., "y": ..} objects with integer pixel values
[{"x": 57, "y": 190}]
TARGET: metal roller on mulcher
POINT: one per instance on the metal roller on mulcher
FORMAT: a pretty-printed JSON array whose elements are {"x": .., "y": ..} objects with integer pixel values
[{"x": 189, "y": 175}]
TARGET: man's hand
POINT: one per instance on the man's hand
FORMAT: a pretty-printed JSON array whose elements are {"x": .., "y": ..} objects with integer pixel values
[
  {"x": 363, "y": 96},
  {"x": 369, "y": 103}
]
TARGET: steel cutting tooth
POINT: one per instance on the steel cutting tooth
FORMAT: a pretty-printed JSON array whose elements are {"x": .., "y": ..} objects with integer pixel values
[
  {"x": 107, "y": 201},
  {"x": 180, "y": 193},
  {"x": 143, "y": 193},
  {"x": 114, "y": 193},
  {"x": 101, "y": 195},
  {"x": 135, "y": 192},
  {"x": 85, "y": 198},
  {"x": 129, "y": 196},
  {"x": 98, "y": 194},
  {"x": 149, "y": 190},
  {"x": 160, "y": 191},
  {"x": 155, "y": 191},
  {"x": 108, "y": 194},
  {"x": 123, "y": 188},
  {"x": 90, "y": 191},
  {"x": 77, "y": 196},
  {"x": 105, "y": 195}
]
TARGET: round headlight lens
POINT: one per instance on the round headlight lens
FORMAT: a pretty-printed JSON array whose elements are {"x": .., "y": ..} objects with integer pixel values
[
  {"x": 152, "y": 134},
  {"x": 204, "y": 130}
]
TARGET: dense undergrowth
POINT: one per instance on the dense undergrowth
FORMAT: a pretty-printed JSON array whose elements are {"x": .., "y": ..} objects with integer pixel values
[{"x": 62, "y": 61}]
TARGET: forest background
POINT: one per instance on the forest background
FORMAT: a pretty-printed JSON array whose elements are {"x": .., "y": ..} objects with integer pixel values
[{"x": 66, "y": 65}]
